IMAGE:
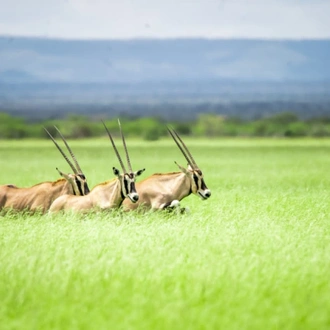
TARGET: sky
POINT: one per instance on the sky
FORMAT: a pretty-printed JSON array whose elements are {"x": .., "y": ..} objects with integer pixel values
[{"x": 127, "y": 19}]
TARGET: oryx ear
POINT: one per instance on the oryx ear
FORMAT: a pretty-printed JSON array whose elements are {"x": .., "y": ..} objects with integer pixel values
[
  {"x": 116, "y": 171},
  {"x": 139, "y": 172},
  {"x": 190, "y": 168},
  {"x": 67, "y": 177},
  {"x": 184, "y": 170}
]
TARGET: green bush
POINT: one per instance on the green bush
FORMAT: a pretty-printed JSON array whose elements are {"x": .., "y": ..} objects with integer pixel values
[{"x": 284, "y": 124}]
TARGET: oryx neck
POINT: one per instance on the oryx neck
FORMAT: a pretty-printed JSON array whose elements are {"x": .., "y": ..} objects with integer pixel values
[
  {"x": 180, "y": 184},
  {"x": 62, "y": 186},
  {"x": 108, "y": 194}
]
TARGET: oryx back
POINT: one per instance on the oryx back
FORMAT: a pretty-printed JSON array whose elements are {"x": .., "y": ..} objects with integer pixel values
[{"x": 36, "y": 198}]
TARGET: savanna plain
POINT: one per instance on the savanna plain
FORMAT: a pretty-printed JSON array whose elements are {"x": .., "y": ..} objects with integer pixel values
[{"x": 256, "y": 255}]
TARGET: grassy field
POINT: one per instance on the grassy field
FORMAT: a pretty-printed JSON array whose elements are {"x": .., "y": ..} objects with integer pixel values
[{"x": 256, "y": 255}]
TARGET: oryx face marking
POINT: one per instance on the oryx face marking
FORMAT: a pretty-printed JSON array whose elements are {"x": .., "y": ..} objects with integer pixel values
[
  {"x": 129, "y": 187},
  {"x": 198, "y": 185},
  {"x": 81, "y": 184},
  {"x": 78, "y": 183},
  {"x": 127, "y": 182}
]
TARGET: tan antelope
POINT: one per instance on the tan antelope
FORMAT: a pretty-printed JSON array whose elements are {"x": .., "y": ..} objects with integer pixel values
[
  {"x": 107, "y": 195},
  {"x": 165, "y": 190},
  {"x": 40, "y": 196}
]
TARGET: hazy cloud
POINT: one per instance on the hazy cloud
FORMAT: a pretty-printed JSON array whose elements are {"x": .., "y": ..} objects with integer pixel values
[{"x": 166, "y": 18}]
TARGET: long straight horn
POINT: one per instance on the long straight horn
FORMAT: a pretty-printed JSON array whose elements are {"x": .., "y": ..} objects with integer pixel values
[
  {"x": 114, "y": 147},
  {"x": 180, "y": 147},
  {"x": 70, "y": 151},
  {"x": 62, "y": 152},
  {"x": 125, "y": 148},
  {"x": 186, "y": 148}
]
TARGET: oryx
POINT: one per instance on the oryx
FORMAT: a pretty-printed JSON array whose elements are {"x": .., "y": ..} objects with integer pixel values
[
  {"x": 107, "y": 195},
  {"x": 40, "y": 196},
  {"x": 166, "y": 190}
]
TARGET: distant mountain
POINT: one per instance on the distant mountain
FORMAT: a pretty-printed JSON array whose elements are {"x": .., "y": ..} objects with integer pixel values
[
  {"x": 16, "y": 76},
  {"x": 170, "y": 78},
  {"x": 123, "y": 61}
]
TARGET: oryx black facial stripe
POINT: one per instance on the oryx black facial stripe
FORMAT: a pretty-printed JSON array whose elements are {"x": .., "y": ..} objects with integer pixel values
[
  {"x": 86, "y": 188},
  {"x": 125, "y": 187},
  {"x": 195, "y": 177},
  {"x": 78, "y": 183},
  {"x": 132, "y": 187},
  {"x": 203, "y": 185}
]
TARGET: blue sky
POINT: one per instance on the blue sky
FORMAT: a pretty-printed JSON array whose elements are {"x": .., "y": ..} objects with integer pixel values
[{"x": 109, "y": 19}]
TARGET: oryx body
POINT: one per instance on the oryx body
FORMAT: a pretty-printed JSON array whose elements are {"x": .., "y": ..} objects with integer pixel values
[
  {"x": 166, "y": 190},
  {"x": 107, "y": 195},
  {"x": 40, "y": 196},
  {"x": 36, "y": 198}
]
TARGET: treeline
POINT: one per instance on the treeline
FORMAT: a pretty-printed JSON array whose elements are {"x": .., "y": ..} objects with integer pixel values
[{"x": 285, "y": 124}]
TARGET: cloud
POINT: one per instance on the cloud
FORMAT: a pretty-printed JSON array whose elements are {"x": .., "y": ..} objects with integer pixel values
[{"x": 166, "y": 18}]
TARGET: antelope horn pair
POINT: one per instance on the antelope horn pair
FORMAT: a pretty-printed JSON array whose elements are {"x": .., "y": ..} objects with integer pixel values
[
  {"x": 116, "y": 150},
  {"x": 184, "y": 149},
  {"x": 77, "y": 169}
]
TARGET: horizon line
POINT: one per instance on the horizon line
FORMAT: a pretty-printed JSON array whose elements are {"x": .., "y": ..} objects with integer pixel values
[{"x": 144, "y": 38}]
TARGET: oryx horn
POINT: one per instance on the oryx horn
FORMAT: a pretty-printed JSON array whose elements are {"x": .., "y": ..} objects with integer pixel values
[
  {"x": 186, "y": 148},
  {"x": 125, "y": 147},
  {"x": 70, "y": 151},
  {"x": 62, "y": 152},
  {"x": 183, "y": 148},
  {"x": 114, "y": 147}
]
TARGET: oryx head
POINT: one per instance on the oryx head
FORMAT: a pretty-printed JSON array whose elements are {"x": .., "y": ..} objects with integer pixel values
[
  {"x": 77, "y": 180},
  {"x": 127, "y": 178},
  {"x": 198, "y": 186}
]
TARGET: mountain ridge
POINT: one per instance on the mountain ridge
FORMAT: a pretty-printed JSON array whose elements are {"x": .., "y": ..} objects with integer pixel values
[
  {"x": 138, "y": 60},
  {"x": 182, "y": 77}
]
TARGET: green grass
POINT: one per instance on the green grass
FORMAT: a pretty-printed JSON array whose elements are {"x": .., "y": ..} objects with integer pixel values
[{"x": 254, "y": 256}]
